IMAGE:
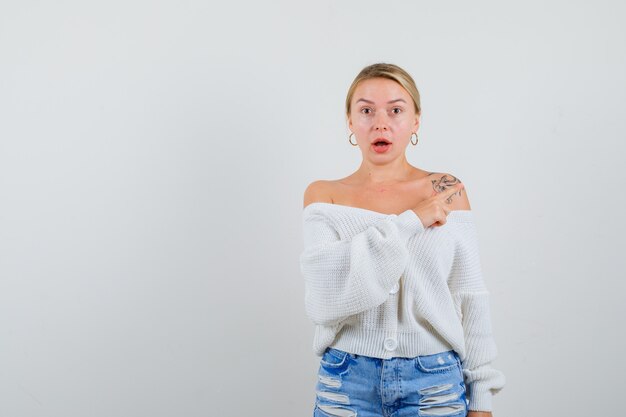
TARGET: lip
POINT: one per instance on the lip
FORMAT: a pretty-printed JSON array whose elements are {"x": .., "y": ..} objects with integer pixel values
[
  {"x": 381, "y": 139},
  {"x": 381, "y": 150}
]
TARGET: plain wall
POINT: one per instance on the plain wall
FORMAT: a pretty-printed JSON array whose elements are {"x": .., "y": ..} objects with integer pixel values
[{"x": 153, "y": 159}]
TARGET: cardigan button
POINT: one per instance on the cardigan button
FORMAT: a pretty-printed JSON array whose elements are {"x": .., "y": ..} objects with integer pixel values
[
  {"x": 391, "y": 343},
  {"x": 395, "y": 288}
]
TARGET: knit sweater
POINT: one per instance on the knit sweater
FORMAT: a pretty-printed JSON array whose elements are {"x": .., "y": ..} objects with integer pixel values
[{"x": 383, "y": 285}]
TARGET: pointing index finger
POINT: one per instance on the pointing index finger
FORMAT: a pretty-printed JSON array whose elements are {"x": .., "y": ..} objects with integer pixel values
[{"x": 452, "y": 190}]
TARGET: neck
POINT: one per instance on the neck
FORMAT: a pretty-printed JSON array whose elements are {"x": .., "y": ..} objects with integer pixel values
[{"x": 390, "y": 173}]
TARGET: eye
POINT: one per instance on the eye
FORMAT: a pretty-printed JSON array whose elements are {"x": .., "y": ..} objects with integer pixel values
[
  {"x": 399, "y": 110},
  {"x": 366, "y": 110}
]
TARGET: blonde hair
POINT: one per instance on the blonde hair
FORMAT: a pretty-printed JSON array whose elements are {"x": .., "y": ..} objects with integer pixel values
[{"x": 391, "y": 72}]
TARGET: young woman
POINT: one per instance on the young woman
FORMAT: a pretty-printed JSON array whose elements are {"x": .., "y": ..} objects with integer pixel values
[{"x": 393, "y": 280}]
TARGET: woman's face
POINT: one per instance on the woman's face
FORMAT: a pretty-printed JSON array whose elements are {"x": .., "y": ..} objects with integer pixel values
[{"x": 382, "y": 108}]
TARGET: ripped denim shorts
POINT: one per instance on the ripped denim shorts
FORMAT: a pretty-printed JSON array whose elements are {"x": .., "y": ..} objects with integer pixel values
[{"x": 355, "y": 385}]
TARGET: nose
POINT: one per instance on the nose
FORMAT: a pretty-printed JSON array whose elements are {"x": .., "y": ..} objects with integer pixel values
[{"x": 380, "y": 124}]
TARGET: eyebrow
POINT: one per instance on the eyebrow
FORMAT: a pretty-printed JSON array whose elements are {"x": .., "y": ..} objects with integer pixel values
[{"x": 389, "y": 102}]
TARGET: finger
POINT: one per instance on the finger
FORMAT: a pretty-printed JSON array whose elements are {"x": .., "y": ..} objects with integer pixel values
[{"x": 452, "y": 190}]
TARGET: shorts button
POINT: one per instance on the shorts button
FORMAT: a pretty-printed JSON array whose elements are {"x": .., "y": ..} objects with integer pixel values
[
  {"x": 395, "y": 288},
  {"x": 391, "y": 343}
]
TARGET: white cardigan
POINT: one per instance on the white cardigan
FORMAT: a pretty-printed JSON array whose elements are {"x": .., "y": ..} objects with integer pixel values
[{"x": 382, "y": 285}]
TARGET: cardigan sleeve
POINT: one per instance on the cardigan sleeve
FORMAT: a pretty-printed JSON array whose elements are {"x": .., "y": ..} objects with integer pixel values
[
  {"x": 471, "y": 299},
  {"x": 344, "y": 277}
]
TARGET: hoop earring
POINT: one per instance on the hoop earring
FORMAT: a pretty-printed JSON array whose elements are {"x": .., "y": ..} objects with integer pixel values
[
  {"x": 350, "y": 140},
  {"x": 416, "y": 139}
]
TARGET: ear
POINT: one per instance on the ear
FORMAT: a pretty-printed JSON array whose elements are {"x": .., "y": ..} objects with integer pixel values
[
  {"x": 350, "y": 123},
  {"x": 417, "y": 122}
]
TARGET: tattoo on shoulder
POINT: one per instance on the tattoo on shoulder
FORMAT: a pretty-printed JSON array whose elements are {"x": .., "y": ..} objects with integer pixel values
[{"x": 446, "y": 181}]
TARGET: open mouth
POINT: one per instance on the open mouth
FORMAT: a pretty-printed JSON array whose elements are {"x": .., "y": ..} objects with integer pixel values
[{"x": 381, "y": 146}]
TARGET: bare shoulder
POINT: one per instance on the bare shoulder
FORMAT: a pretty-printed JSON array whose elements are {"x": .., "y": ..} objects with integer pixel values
[
  {"x": 318, "y": 192},
  {"x": 442, "y": 181}
]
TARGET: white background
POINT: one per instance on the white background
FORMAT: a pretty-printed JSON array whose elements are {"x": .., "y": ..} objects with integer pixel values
[{"x": 153, "y": 158}]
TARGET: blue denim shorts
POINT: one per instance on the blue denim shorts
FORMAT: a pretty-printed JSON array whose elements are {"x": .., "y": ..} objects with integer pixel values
[{"x": 355, "y": 385}]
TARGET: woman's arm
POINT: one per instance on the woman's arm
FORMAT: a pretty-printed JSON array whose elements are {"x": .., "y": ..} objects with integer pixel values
[
  {"x": 471, "y": 299},
  {"x": 344, "y": 277}
]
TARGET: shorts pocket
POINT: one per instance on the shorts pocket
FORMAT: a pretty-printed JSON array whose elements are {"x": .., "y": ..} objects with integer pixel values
[
  {"x": 438, "y": 362},
  {"x": 335, "y": 360}
]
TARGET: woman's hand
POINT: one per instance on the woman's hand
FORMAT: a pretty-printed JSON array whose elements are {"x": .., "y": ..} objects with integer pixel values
[
  {"x": 479, "y": 414},
  {"x": 433, "y": 210}
]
